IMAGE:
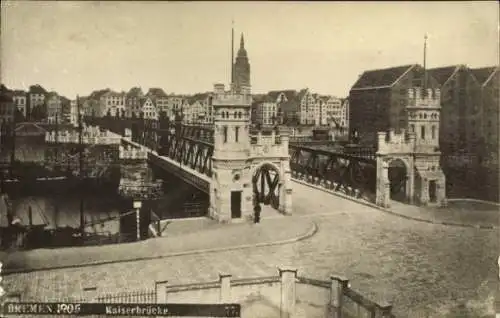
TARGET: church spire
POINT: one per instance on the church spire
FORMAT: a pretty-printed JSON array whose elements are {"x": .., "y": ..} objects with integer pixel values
[
  {"x": 425, "y": 62},
  {"x": 232, "y": 52},
  {"x": 242, "y": 42}
]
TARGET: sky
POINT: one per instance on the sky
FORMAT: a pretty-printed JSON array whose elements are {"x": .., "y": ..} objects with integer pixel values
[{"x": 185, "y": 47}]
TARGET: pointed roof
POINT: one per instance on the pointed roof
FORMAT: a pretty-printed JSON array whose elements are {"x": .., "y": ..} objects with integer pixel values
[
  {"x": 37, "y": 89},
  {"x": 242, "y": 52},
  {"x": 381, "y": 78},
  {"x": 302, "y": 93},
  {"x": 99, "y": 93},
  {"x": 135, "y": 92},
  {"x": 443, "y": 74},
  {"x": 483, "y": 74},
  {"x": 157, "y": 92}
]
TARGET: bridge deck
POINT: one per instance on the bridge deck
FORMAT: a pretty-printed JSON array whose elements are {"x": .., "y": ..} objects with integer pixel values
[{"x": 197, "y": 179}]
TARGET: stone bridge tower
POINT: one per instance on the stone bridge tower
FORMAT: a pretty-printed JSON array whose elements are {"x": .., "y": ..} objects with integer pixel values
[
  {"x": 423, "y": 114},
  {"x": 417, "y": 150},
  {"x": 230, "y": 191}
]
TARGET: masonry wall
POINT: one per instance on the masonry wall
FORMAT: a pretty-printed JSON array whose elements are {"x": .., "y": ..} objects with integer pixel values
[
  {"x": 490, "y": 113},
  {"x": 369, "y": 112}
]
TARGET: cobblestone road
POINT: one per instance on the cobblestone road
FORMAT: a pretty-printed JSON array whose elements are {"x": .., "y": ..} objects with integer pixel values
[{"x": 425, "y": 270}]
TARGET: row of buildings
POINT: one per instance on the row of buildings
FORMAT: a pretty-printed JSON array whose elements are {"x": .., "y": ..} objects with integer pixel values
[
  {"x": 36, "y": 104},
  {"x": 469, "y": 104},
  {"x": 302, "y": 107},
  {"x": 286, "y": 107}
]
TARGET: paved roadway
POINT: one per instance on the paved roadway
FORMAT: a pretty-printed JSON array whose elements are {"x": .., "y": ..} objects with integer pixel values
[{"x": 425, "y": 270}]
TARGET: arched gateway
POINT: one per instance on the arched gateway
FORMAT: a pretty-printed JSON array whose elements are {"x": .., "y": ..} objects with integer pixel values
[
  {"x": 247, "y": 170},
  {"x": 266, "y": 185},
  {"x": 408, "y": 164}
]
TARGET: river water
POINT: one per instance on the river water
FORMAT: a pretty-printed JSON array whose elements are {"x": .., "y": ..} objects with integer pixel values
[{"x": 102, "y": 203}]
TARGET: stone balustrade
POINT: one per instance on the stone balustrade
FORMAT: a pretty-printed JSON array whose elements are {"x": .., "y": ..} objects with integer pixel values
[
  {"x": 229, "y": 98},
  {"x": 429, "y": 98},
  {"x": 89, "y": 135},
  {"x": 285, "y": 295},
  {"x": 130, "y": 152},
  {"x": 273, "y": 145},
  {"x": 396, "y": 143}
]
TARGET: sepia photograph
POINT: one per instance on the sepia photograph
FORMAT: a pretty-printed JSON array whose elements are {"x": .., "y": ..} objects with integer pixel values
[{"x": 254, "y": 159}]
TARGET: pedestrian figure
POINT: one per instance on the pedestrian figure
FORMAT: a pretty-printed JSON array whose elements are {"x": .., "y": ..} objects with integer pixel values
[{"x": 257, "y": 210}]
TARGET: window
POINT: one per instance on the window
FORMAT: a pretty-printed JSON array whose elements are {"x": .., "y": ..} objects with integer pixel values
[
  {"x": 422, "y": 132},
  {"x": 412, "y": 128},
  {"x": 433, "y": 132},
  {"x": 225, "y": 134},
  {"x": 236, "y": 132}
]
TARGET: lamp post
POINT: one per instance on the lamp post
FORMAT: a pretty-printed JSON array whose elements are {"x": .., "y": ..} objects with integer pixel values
[
  {"x": 80, "y": 158},
  {"x": 137, "y": 207}
]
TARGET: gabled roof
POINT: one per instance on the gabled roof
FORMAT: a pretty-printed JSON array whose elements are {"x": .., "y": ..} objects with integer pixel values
[
  {"x": 52, "y": 95},
  {"x": 483, "y": 74},
  {"x": 19, "y": 92},
  {"x": 302, "y": 93},
  {"x": 37, "y": 89},
  {"x": 143, "y": 100},
  {"x": 156, "y": 92},
  {"x": 381, "y": 78},
  {"x": 443, "y": 74},
  {"x": 135, "y": 92},
  {"x": 99, "y": 93},
  {"x": 5, "y": 94}
]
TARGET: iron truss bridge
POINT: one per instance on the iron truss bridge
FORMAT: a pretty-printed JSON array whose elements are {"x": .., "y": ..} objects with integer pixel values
[{"x": 347, "y": 169}]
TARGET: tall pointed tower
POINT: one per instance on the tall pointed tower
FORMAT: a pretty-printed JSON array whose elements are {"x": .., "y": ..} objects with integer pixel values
[
  {"x": 230, "y": 190},
  {"x": 241, "y": 67}
]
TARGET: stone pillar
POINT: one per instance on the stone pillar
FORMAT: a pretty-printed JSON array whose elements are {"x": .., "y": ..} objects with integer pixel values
[
  {"x": 441, "y": 192},
  {"x": 286, "y": 189},
  {"x": 383, "y": 310},
  {"x": 410, "y": 183},
  {"x": 225, "y": 288},
  {"x": 161, "y": 289},
  {"x": 424, "y": 191},
  {"x": 337, "y": 288},
  {"x": 383, "y": 185},
  {"x": 288, "y": 276}
]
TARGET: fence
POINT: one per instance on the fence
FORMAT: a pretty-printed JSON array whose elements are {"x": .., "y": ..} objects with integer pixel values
[{"x": 284, "y": 296}]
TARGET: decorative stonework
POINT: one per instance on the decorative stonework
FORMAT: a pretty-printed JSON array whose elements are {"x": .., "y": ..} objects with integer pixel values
[
  {"x": 417, "y": 149},
  {"x": 236, "y": 161}
]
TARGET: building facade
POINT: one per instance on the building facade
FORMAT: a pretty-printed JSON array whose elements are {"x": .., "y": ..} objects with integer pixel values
[
  {"x": 344, "y": 114},
  {"x": 7, "y": 106},
  {"x": 36, "y": 103},
  {"x": 378, "y": 99},
  {"x": 133, "y": 102},
  {"x": 21, "y": 101},
  {"x": 161, "y": 101},
  {"x": 461, "y": 114},
  {"x": 307, "y": 107},
  {"x": 113, "y": 103},
  {"x": 148, "y": 109},
  {"x": 489, "y": 81},
  {"x": 54, "y": 108}
]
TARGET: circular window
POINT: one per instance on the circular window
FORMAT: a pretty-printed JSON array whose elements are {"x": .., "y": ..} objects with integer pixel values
[{"x": 236, "y": 177}]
